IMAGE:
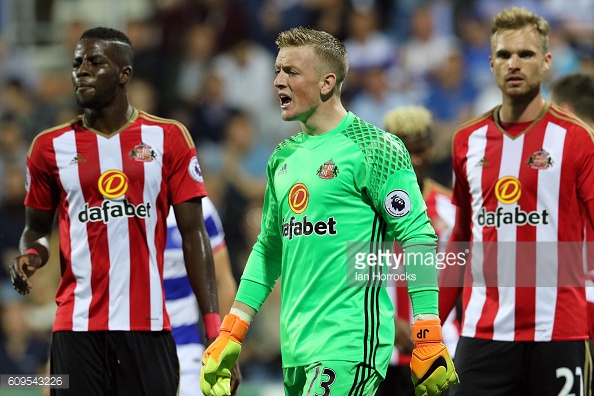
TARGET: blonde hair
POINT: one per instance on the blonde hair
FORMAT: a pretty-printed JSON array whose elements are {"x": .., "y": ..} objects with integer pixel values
[
  {"x": 326, "y": 47},
  {"x": 409, "y": 121},
  {"x": 517, "y": 18}
]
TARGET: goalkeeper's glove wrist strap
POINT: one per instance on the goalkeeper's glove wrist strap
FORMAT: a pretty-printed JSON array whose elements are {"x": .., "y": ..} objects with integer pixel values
[
  {"x": 426, "y": 331},
  {"x": 235, "y": 327}
]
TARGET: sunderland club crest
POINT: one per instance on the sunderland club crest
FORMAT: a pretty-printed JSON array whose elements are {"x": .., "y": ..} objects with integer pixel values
[
  {"x": 143, "y": 152},
  {"x": 541, "y": 159},
  {"x": 328, "y": 171}
]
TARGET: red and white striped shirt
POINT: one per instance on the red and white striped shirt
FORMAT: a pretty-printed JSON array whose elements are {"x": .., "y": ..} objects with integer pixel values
[
  {"x": 112, "y": 194},
  {"x": 524, "y": 192},
  {"x": 442, "y": 214}
]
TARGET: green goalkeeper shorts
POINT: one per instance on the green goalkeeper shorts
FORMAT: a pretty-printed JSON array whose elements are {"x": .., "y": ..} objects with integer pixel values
[{"x": 335, "y": 377}]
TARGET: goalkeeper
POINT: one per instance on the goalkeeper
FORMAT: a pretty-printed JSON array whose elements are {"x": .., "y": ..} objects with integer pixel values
[{"x": 338, "y": 189}]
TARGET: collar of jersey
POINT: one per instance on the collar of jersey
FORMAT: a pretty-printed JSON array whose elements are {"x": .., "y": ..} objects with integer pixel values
[{"x": 311, "y": 142}]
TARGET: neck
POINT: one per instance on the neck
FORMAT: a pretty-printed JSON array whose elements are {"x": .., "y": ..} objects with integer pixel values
[
  {"x": 324, "y": 119},
  {"x": 523, "y": 109},
  {"x": 110, "y": 119}
]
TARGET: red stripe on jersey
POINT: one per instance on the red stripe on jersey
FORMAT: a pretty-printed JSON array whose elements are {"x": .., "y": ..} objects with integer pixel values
[{"x": 139, "y": 259}]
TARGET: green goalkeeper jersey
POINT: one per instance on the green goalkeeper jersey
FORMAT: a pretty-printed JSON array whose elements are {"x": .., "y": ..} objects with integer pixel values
[{"x": 352, "y": 184}]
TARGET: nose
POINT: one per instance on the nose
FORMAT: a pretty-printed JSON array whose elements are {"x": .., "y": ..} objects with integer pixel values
[
  {"x": 279, "y": 80},
  {"x": 82, "y": 69},
  {"x": 513, "y": 62}
]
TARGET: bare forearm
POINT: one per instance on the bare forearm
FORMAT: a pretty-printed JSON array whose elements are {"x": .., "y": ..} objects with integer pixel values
[
  {"x": 201, "y": 273},
  {"x": 37, "y": 233},
  {"x": 226, "y": 285}
]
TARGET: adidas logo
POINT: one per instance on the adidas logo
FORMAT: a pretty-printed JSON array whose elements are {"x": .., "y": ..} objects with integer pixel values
[{"x": 282, "y": 170}]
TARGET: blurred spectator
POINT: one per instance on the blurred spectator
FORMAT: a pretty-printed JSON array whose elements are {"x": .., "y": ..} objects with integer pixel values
[
  {"x": 21, "y": 352},
  {"x": 15, "y": 66},
  {"x": 239, "y": 164},
  {"x": 450, "y": 99},
  {"x": 248, "y": 76},
  {"x": 186, "y": 73},
  {"x": 30, "y": 113},
  {"x": 12, "y": 210},
  {"x": 367, "y": 47},
  {"x": 426, "y": 49},
  {"x": 229, "y": 18},
  {"x": 13, "y": 144},
  {"x": 210, "y": 115},
  {"x": 376, "y": 96},
  {"x": 246, "y": 70},
  {"x": 143, "y": 95},
  {"x": 474, "y": 33},
  {"x": 148, "y": 60}
]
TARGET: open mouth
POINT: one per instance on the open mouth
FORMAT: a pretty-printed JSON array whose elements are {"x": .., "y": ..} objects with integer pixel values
[{"x": 285, "y": 101}]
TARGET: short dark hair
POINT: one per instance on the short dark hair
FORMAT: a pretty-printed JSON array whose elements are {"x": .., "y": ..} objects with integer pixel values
[
  {"x": 113, "y": 35},
  {"x": 577, "y": 90}
]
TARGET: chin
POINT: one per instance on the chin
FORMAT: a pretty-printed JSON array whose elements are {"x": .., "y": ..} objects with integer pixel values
[{"x": 288, "y": 116}]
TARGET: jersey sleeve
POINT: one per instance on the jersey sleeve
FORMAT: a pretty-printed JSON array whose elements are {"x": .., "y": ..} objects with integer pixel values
[
  {"x": 460, "y": 190},
  {"x": 585, "y": 182},
  {"x": 263, "y": 266},
  {"x": 393, "y": 190},
  {"x": 40, "y": 184},
  {"x": 183, "y": 173}
]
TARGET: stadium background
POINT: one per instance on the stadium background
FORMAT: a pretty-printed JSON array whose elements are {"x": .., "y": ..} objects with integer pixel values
[{"x": 209, "y": 64}]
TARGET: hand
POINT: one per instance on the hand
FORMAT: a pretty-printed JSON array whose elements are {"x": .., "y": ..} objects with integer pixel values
[
  {"x": 403, "y": 341},
  {"x": 220, "y": 357},
  {"x": 235, "y": 379},
  {"x": 431, "y": 366},
  {"x": 22, "y": 268}
]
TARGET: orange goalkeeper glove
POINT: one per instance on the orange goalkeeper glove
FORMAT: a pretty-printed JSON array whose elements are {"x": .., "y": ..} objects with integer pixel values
[
  {"x": 431, "y": 366},
  {"x": 219, "y": 358}
]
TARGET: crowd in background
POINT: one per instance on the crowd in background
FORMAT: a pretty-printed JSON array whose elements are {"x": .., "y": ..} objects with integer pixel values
[{"x": 210, "y": 65}]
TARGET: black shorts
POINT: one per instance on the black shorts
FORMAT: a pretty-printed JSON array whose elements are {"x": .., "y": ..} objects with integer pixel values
[
  {"x": 502, "y": 368},
  {"x": 101, "y": 363}
]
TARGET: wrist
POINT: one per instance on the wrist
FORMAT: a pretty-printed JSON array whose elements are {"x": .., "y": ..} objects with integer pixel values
[
  {"x": 212, "y": 324},
  {"x": 426, "y": 317},
  {"x": 425, "y": 331},
  {"x": 234, "y": 327},
  {"x": 242, "y": 314},
  {"x": 31, "y": 251}
]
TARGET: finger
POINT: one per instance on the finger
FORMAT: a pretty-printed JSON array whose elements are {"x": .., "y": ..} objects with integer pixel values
[{"x": 18, "y": 281}]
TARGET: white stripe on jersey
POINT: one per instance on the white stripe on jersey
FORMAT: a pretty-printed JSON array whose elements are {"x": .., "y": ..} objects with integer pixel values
[
  {"x": 504, "y": 322},
  {"x": 153, "y": 136},
  {"x": 64, "y": 146},
  {"x": 477, "y": 144},
  {"x": 445, "y": 210},
  {"x": 547, "y": 262},
  {"x": 119, "y": 275}
]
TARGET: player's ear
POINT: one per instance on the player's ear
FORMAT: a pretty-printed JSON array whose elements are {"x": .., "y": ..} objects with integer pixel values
[
  {"x": 125, "y": 74},
  {"x": 328, "y": 83}
]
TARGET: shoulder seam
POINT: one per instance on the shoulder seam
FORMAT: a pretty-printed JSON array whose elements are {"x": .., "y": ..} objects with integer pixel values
[
  {"x": 568, "y": 116},
  {"x": 52, "y": 129},
  {"x": 182, "y": 127}
]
